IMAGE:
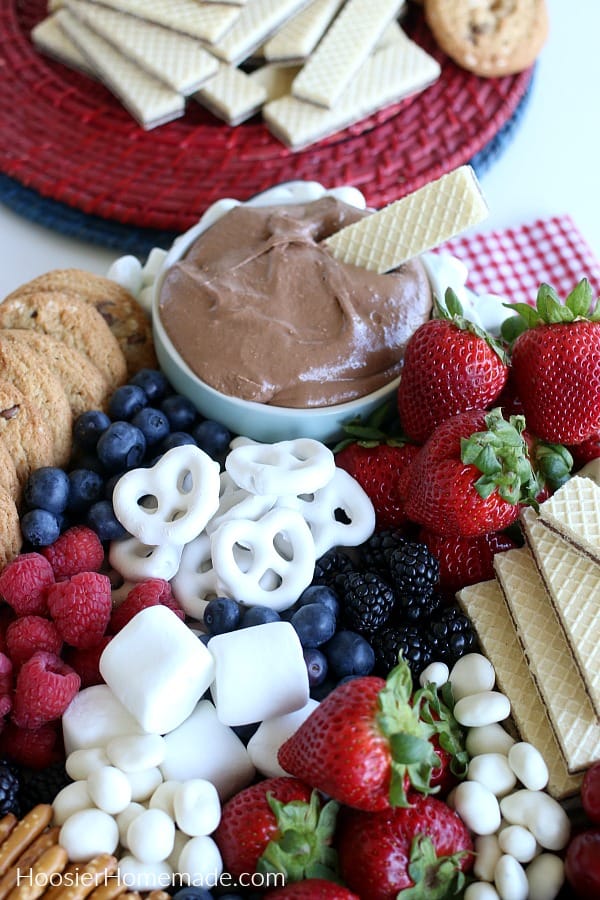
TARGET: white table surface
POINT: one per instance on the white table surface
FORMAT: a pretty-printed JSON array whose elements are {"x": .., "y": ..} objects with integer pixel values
[{"x": 552, "y": 165}]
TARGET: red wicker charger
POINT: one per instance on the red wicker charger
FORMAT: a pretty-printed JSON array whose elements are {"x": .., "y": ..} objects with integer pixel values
[{"x": 66, "y": 137}]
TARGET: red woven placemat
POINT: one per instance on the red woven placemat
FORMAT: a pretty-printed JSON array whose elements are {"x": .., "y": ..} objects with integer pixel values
[{"x": 66, "y": 137}]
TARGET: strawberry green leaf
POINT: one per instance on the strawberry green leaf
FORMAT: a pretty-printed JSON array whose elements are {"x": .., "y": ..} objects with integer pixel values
[
  {"x": 434, "y": 877},
  {"x": 527, "y": 313},
  {"x": 580, "y": 300},
  {"x": 554, "y": 462},
  {"x": 452, "y": 311},
  {"x": 437, "y": 711},
  {"x": 550, "y": 308},
  {"x": 512, "y": 327}
]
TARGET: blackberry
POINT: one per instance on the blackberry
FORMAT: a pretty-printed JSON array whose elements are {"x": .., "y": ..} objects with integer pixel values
[
  {"x": 9, "y": 789},
  {"x": 41, "y": 785},
  {"x": 333, "y": 563},
  {"x": 414, "y": 569},
  {"x": 375, "y": 552},
  {"x": 367, "y": 601},
  {"x": 418, "y": 608},
  {"x": 416, "y": 649},
  {"x": 451, "y": 635}
]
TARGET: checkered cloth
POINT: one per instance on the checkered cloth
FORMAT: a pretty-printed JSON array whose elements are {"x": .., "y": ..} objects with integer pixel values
[{"x": 515, "y": 261}]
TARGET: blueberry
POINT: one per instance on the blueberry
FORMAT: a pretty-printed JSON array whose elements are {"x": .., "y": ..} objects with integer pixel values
[
  {"x": 320, "y": 593},
  {"x": 180, "y": 412},
  {"x": 314, "y": 624},
  {"x": 320, "y": 691},
  {"x": 175, "y": 439},
  {"x": 122, "y": 446},
  {"x": 126, "y": 401},
  {"x": 222, "y": 615},
  {"x": 152, "y": 382},
  {"x": 212, "y": 437},
  {"x": 192, "y": 893},
  {"x": 47, "y": 488},
  {"x": 316, "y": 666},
  {"x": 85, "y": 487},
  {"x": 101, "y": 519},
  {"x": 85, "y": 459},
  {"x": 245, "y": 732},
  {"x": 204, "y": 638},
  {"x": 259, "y": 615},
  {"x": 88, "y": 427},
  {"x": 349, "y": 654},
  {"x": 109, "y": 485},
  {"x": 153, "y": 424},
  {"x": 40, "y": 527}
]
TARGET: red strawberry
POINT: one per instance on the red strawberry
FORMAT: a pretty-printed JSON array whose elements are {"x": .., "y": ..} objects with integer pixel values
[
  {"x": 367, "y": 742},
  {"x": 311, "y": 889},
  {"x": 383, "y": 854},
  {"x": 471, "y": 475},
  {"x": 586, "y": 451},
  {"x": 582, "y": 864},
  {"x": 464, "y": 560},
  {"x": 556, "y": 363},
  {"x": 450, "y": 365},
  {"x": 277, "y": 825}
]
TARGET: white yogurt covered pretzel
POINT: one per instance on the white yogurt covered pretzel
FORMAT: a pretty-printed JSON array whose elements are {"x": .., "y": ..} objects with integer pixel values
[
  {"x": 137, "y": 561},
  {"x": 172, "y": 501},
  {"x": 237, "y": 503},
  {"x": 299, "y": 466},
  {"x": 196, "y": 582}
]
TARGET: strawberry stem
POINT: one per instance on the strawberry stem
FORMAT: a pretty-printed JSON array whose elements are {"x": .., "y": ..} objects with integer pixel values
[{"x": 435, "y": 877}]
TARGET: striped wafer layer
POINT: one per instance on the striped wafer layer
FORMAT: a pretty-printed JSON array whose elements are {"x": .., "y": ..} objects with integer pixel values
[{"x": 574, "y": 511}]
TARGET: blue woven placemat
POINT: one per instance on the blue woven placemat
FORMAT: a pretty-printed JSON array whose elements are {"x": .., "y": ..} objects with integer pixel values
[{"x": 127, "y": 239}]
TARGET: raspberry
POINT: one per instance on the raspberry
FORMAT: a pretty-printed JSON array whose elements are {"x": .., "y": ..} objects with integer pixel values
[
  {"x": 45, "y": 687},
  {"x": 87, "y": 662},
  {"x": 23, "y": 584},
  {"x": 78, "y": 549},
  {"x": 81, "y": 608},
  {"x": 28, "y": 634},
  {"x": 152, "y": 592},
  {"x": 35, "y": 748},
  {"x": 6, "y": 674}
]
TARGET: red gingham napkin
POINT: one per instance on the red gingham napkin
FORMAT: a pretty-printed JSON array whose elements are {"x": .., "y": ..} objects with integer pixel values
[{"x": 515, "y": 261}]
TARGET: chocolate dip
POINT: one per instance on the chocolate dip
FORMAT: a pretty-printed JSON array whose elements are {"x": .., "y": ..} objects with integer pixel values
[{"x": 260, "y": 310}]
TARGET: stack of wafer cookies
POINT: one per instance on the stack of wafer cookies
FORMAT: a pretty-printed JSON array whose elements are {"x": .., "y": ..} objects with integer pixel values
[
  {"x": 538, "y": 623},
  {"x": 67, "y": 340}
]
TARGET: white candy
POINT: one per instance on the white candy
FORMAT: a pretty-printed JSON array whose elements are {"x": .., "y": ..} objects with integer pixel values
[
  {"x": 202, "y": 747},
  {"x": 491, "y": 738},
  {"x": 172, "y": 669},
  {"x": 200, "y": 862},
  {"x": 480, "y": 890},
  {"x": 493, "y": 772},
  {"x": 271, "y": 734},
  {"x": 268, "y": 562},
  {"x": 541, "y": 814},
  {"x": 134, "y": 752},
  {"x": 72, "y": 798},
  {"x": 545, "y": 876},
  {"x": 472, "y": 674},
  {"x": 483, "y": 708},
  {"x": 125, "y": 818},
  {"x": 528, "y": 765},
  {"x": 197, "y": 807},
  {"x": 487, "y": 854},
  {"x": 259, "y": 673},
  {"x": 299, "y": 466},
  {"x": 95, "y": 716},
  {"x": 172, "y": 501},
  {"x": 110, "y": 789},
  {"x": 80, "y": 763},
  {"x": 151, "y": 835},
  {"x": 435, "y": 673},
  {"x": 143, "y": 784},
  {"x": 164, "y": 796},
  {"x": 510, "y": 879},
  {"x": 477, "y": 807},
  {"x": 236, "y": 503},
  {"x": 518, "y": 842},
  {"x": 127, "y": 271},
  {"x": 195, "y": 582},
  {"x": 138, "y": 561},
  {"x": 88, "y": 833},
  {"x": 153, "y": 264},
  {"x": 179, "y": 843},
  {"x": 141, "y": 876},
  {"x": 146, "y": 298}
]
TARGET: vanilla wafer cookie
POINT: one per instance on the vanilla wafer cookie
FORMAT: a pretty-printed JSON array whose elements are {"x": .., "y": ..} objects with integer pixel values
[
  {"x": 148, "y": 100},
  {"x": 256, "y": 22},
  {"x": 389, "y": 75},
  {"x": 573, "y": 584},
  {"x": 205, "y": 21},
  {"x": 412, "y": 225},
  {"x": 175, "y": 59},
  {"x": 485, "y": 606},
  {"x": 232, "y": 95},
  {"x": 24, "y": 431},
  {"x": 345, "y": 46},
  {"x": 23, "y": 834},
  {"x": 298, "y": 37},
  {"x": 557, "y": 677},
  {"x": 276, "y": 79},
  {"x": 10, "y": 529},
  {"x": 51, "y": 40},
  {"x": 574, "y": 512}
]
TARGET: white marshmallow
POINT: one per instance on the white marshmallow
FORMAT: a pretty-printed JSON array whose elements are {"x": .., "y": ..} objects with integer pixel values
[
  {"x": 471, "y": 674},
  {"x": 80, "y": 763},
  {"x": 125, "y": 818},
  {"x": 259, "y": 673},
  {"x": 202, "y": 747},
  {"x": 197, "y": 807},
  {"x": 141, "y": 876},
  {"x": 134, "y": 752},
  {"x": 144, "y": 783},
  {"x": 153, "y": 264},
  {"x": 72, "y": 798},
  {"x": 179, "y": 843},
  {"x": 151, "y": 835},
  {"x": 88, "y": 833},
  {"x": 172, "y": 669},
  {"x": 271, "y": 734},
  {"x": 110, "y": 789},
  {"x": 127, "y": 271},
  {"x": 164, "y": 796},
  {"x": 200, "y": 862},
  {"x": 95, "y": 716}
]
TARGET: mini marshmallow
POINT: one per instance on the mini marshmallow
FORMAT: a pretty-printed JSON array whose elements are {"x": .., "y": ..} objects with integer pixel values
[
  {"x": 125, "y": 818},
  {"x": 141, "y": 876},
  {"x": 70, "y": 799},
  {"x": 88, "y": 833},
  {"x": 127, "y": 271},
  {"x": 179, "y": 843},
  {"x": 95, "y": 716},
  {"x": 197, "y": 807},
  {"x": 259, "y": 673},
  {"x": 151, "y": 835},
  {"x": 164, "y": 796},
  {"x": 143, "y": 784},
  {"x": 110, "y": 789},
  {"x": 195, "y": 582},
  {"x": 135, "y": 752},
  {"x": 299, "y": 466},
  {"x": 137, "y": 561},
  {"x": 200, "y": 862},
  {"x": 203, "y": 747},
  {"x": 153, "y": 264},
  {"x": 180, "y": 493},
  {"x": 172, "y": 669},
  {"x": 271, "y": 734},
  {"x": 80, "y": 763}
]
